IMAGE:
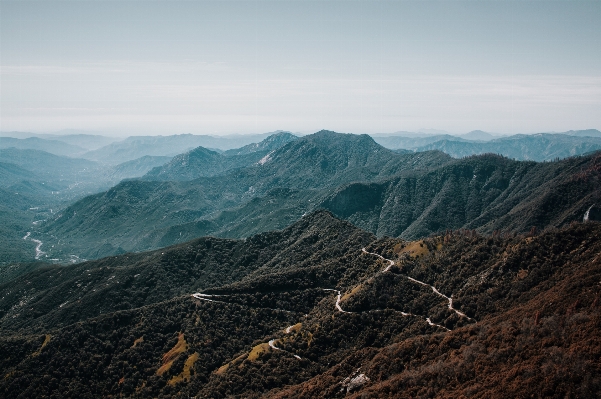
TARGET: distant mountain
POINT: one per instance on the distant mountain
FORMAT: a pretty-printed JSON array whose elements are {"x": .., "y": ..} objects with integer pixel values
[
  {"x": 136, "y": 215},
  {"x": 202, "y": 162},
  {"x": 412, "y": 142},
  {"x": 478, "y": 135},
  {"x": 138, "y": 146},
  {"x": 271, "y": 143},
  {"x": 88, "y": 141},
  {"x": 410, "y": 196},
  {"x": 318, "y": 310},
  {"x": 73, "y": 137},
  {"x": 137, "y": 167},
  {"x": 584, "y": 133},
  {"x": 50, "y": 166},
  {"x": 535, "y": 147},
  {"x": 55, "y": 147}
]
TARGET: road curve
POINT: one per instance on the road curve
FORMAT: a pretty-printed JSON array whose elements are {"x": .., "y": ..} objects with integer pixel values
[{"x": 449, "y": 299}]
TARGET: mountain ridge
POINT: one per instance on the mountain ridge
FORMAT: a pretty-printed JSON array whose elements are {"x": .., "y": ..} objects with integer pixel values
[
  {"x": 336, "y": 307},
  {"x": 382, "y": 192}
]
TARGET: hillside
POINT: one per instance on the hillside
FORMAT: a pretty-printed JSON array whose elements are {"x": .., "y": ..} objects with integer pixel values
[
  {"x": 15, "y": 219},
  {"x": 202, "y": 162},
  {"x": 138, "y": 215},
  {"x": 485, "y": 192},
  {"x": 524, "y": 147},
  {"x": 138, "y": 146},
  {"x": 538, "y": 147},
  {"x": 400, "y": 195},
  {"x": 320, "y": 309},
  {"x": 136, "y": 168},
  {"x": 271, "y": 143}
]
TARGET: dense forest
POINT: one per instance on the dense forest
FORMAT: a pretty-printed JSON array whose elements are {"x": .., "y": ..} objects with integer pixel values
[
  {"x": 401, "y": 195},
  {"x": 321, "y": 309}
]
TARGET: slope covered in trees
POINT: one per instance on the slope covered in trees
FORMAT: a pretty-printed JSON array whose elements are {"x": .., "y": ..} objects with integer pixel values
[
  {"x": 401, "y": 195},
  {"x": 138, "y": 215},
  {"x": 524, "y": 147},
  {"x": 485, "y": 192},
  {"x": 202, "y": 162},
  {"x": 321, "y": 309}
]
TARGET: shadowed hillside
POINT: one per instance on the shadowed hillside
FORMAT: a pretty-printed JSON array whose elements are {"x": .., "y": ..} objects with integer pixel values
[{"x": 318, "y": 310}]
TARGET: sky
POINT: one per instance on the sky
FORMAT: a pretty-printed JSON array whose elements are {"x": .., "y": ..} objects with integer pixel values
[{"x": 224, "y": 67}]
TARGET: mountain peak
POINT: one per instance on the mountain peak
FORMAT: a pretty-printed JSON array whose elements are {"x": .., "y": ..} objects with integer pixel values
[
  {"x": 329, "y": 136},
  {"x": 270, "y": 143}
]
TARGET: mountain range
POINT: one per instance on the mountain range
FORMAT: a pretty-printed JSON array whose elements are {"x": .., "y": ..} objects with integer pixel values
[
  {"x": 114, "y": 150},
  {"x": 202, "y": 162},
  {"x": 400, "y": 195},
  {"x": 319, "y": 309},
  {"x": 137, "y": 215},
  {"x": 300, "y": 267},
  {"x": 138, "y": 146},
  {"x": 536, "y": 147}
]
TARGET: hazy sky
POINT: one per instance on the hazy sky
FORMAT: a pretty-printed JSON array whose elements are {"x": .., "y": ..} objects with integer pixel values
[{"x": 218, "y": 67}]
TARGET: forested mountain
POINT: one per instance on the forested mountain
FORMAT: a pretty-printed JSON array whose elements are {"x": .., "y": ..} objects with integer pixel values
[
  {"x": 525, "y": 147},
  {"x": 321, "y": 309},
  {"x": 137, "y": 215},
  {"x": 535, "y": 147},
  {"x": 201, "y": 162},
  {"x": 55, "y": 147},
  {"x": 138, "y": 146},
  {"x": 15, "y": 219},
  {"x": 400, "y": 195},
  {"x": 485, "y": 192}
]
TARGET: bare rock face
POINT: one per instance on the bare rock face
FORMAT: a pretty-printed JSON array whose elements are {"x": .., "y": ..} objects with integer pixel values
[
  {"x": 357, "y": 382},
  {"x": 354, "y": 382}
]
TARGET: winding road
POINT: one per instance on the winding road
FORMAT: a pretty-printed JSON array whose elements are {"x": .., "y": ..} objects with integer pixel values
[
  {"x": 272, "y": 346},
  {"x": 288, "y": 330},
  {"x": 38, "y": 251},
  {"x": 337, "y": 300},
  {"x": 449, "y": 299}
]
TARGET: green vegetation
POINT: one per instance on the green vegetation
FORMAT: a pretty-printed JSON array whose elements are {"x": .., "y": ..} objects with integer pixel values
[
  {"x": 532, "y": 302},
  {"x": 458, "y": 277},
  {"x": 534, "y": 147},
  {"x": 400, "y": 195}
]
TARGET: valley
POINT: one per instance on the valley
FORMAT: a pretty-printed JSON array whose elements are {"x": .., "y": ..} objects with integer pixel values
[
  {"x": 318, "y": 301},
  {"x": 400, "y": 195},
  {"x": 298, "y": 200},
  {"x": 297, "y": 267}
]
